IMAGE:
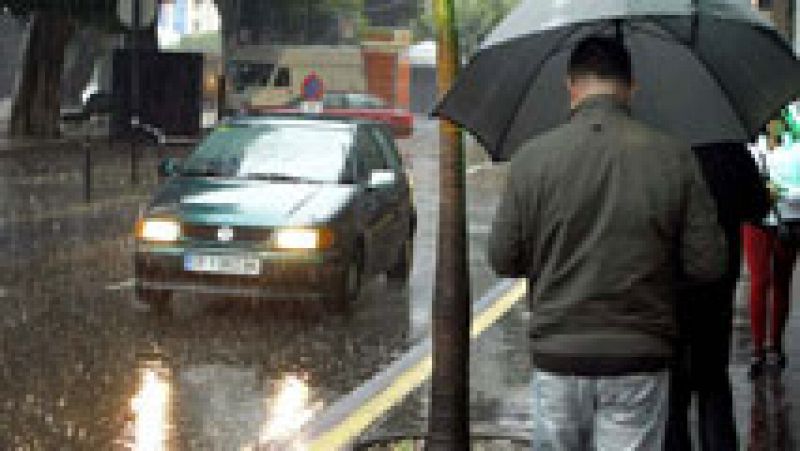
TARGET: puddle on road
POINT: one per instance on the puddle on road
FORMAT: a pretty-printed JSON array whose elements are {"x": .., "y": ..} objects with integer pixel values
[{"x": 289, "y": 410}]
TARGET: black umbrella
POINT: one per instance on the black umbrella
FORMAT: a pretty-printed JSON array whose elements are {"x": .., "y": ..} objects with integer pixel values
[{"x": 707, "y": 70}]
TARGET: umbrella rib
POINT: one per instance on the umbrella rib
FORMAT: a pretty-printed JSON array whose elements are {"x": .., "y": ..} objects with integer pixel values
[
  {"x": 556, "y": 47},
  {"x": 711, "y": 72}
]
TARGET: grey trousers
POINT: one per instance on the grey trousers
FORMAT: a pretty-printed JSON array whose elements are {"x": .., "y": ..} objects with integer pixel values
[{"x": 573, "y": 413}]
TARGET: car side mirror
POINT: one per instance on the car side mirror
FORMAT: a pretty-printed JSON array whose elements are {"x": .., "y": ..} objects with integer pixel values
[
  {"x": 169, "y": 167},
  {"x": 382, "y": 178}
]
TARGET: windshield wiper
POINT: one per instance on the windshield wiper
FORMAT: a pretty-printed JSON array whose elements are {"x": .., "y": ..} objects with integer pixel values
[
  {"x": 276, "y": 177},
  {"x": 201, "y": 173}
]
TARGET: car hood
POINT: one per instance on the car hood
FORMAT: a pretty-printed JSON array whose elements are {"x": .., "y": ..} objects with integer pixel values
[{"x": 251, "y": 202}]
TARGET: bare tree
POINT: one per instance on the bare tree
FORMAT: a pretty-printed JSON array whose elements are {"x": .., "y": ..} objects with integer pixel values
[{"x": 36, "y": 107}]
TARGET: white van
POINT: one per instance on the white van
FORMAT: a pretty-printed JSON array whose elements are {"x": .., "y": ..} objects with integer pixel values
[{"x": 269, "y": 76}]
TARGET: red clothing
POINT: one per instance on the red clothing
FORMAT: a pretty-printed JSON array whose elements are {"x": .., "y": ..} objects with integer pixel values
[{"x": 771, "y": 263}]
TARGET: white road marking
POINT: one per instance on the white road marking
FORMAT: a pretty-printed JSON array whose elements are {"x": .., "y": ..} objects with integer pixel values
[
  {"x": 122, "y": 285},
  {"x": 3, "y": 292}
]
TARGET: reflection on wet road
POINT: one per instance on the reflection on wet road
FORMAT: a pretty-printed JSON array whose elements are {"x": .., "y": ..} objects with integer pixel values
[
  {"x": 288, "y": 411},
  {"x": 769, "y": 416},
  {"x": 151, "y": 407}
]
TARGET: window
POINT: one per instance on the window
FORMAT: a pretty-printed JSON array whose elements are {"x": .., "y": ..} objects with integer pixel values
[
  {"x": 251, "y": 75},
  {"x": 283, "y": 79},
  {"x": 370, "y": 157},
  {"x": 387, "y": 147}
]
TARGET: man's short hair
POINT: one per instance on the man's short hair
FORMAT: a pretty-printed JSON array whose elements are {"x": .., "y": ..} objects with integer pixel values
[{"x": 603, "y": 57}]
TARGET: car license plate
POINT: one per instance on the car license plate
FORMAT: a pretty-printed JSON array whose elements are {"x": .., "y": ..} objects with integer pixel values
[{"x": 236, "y": 265}]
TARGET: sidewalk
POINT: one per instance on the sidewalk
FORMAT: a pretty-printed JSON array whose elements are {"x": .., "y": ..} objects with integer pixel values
[{"x": 767, "y": 409}]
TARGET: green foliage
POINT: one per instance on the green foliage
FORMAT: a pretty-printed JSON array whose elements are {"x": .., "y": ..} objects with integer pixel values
[
  {"x": 791, "y": 117},
  {"x": 474, "y": 20},
  {"x": 100, "y": 13},
  {"x": 301, "y": 6}
]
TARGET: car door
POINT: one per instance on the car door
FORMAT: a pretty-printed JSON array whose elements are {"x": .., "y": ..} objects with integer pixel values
[
  {"x": 397, "y": 196},
  {"x": 374, "y": 205}
]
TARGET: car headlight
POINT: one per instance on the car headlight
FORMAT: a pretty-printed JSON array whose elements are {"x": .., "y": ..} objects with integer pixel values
[
  {"x": 161, "y": 230},
  {"x": 302, "y": 239}
]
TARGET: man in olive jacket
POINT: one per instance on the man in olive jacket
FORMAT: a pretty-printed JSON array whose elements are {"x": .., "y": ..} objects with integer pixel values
[{"x": 604, "y": 215}]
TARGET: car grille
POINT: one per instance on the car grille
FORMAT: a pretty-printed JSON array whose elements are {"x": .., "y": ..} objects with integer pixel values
[{"x": 210, "y": 233}]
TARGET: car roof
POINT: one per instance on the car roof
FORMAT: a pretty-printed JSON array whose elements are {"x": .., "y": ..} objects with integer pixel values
[{"x": 300, "y": 119}]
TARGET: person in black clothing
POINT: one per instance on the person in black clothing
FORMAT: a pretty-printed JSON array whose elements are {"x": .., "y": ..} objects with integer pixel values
[{"x": 705, "y": 311}]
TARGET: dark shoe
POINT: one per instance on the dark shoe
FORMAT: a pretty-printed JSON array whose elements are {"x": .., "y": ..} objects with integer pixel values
[{"x": 757, "y": 363}]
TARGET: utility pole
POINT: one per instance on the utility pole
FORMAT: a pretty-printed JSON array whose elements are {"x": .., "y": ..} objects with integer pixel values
[{"x": 448, "y": 422}]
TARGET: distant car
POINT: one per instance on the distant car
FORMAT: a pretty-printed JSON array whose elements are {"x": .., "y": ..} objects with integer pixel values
[
  {"x": 286, "y": 208},
  {"x": 360, "y": 105}
]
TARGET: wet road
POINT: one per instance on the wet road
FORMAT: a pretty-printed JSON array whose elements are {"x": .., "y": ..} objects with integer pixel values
[{"x": 84, "y": 367}]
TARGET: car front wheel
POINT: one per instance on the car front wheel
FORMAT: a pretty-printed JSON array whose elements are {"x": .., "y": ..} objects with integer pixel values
[{"x": 347, "y": 288}]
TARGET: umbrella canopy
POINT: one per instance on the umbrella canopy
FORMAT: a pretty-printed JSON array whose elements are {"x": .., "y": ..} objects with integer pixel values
[{"x": 706, "y": 70}]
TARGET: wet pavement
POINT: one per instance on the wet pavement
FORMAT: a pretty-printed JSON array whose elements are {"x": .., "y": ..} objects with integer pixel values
[
  {"x": 81, "y": 358},
  {"x": 85, "y": 367}
]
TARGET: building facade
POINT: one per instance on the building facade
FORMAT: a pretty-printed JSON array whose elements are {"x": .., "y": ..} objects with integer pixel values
[{"x": 189, "y": 17}]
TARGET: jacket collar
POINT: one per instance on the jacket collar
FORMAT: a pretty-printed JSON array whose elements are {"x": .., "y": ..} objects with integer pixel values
[{"x": 602, "y": 103}]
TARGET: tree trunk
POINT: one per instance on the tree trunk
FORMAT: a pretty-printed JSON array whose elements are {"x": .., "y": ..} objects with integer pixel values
[
  {"x": 37, "y": 102},
  {"x": 448, "y": 422}
]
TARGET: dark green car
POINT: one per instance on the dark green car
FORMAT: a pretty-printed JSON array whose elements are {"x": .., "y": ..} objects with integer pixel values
[{"x": 284, "y": 208}]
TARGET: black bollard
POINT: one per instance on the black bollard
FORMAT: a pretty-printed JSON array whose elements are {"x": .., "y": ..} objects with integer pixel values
[
  {"x": 134, "y": 162},
  {"x": 87, "y": 172}
]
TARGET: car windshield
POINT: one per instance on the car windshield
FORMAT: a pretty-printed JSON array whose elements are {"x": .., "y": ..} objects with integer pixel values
[
  {"x": 273, "y": 152},
  {"x": 251, "y": 74}
]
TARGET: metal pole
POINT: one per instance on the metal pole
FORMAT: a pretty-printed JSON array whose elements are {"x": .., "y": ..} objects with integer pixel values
[
  {"x": 136, "y": 6},
  {"x": 448, "y": 422},
  {"x": 135, "y": 84},
  {"x": 134, "y": 161},
  {"x": 87, "y": 172},
  {"x": 222, "y": 100}
]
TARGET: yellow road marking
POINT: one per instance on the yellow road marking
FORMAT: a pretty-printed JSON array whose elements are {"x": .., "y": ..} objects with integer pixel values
[
  {"x": 503, "y": 304},
  {"x": 346, "y": 431},
  {"x": 360, "y": 418}
]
